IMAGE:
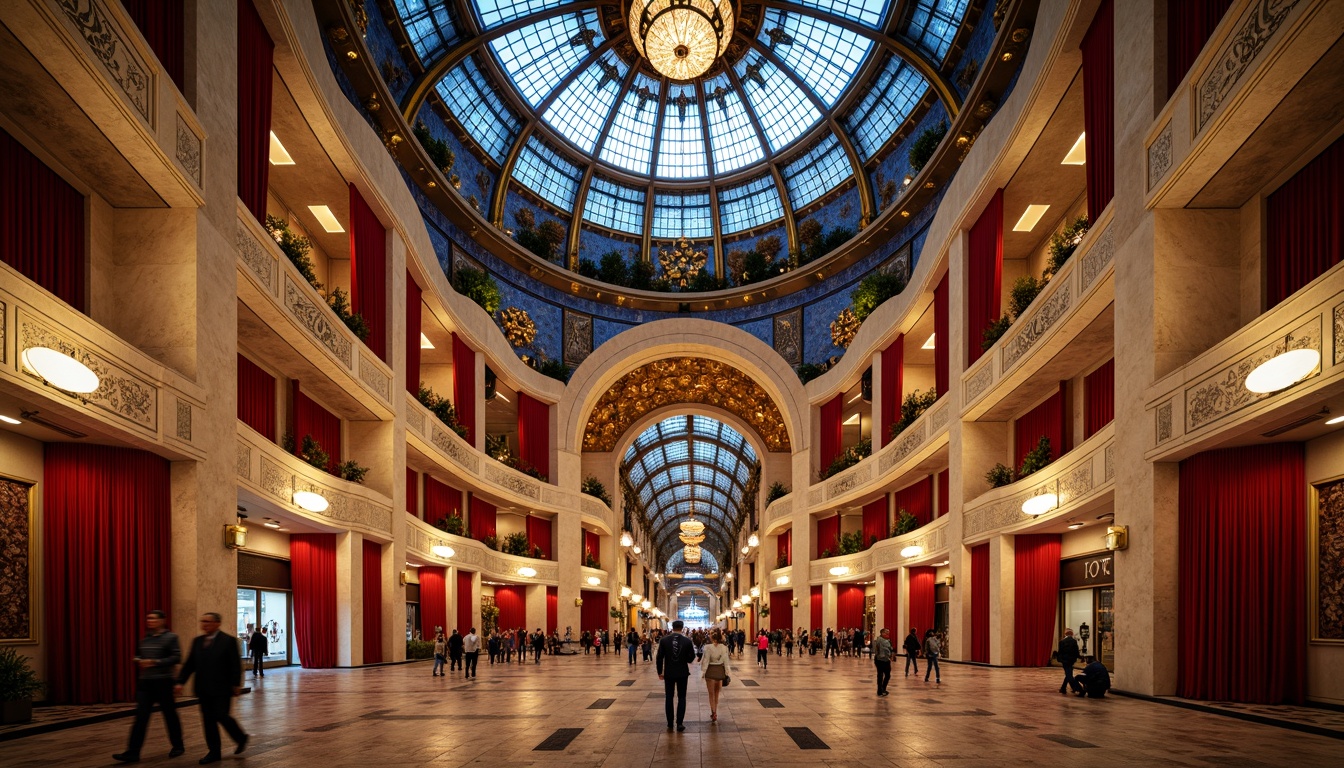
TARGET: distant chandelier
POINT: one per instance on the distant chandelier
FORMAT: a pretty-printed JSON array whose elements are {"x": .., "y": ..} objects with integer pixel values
[
  {"x": 691, "y": 554},
  {"x": 681, "y": 38}
]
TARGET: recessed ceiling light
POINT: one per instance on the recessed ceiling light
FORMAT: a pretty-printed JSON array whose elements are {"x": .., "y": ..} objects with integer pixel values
[
  {"x": 326, "y": 218},
  {"x": 279, "y": 156},
  {"x": 1039, "y": 505},
  {"x": 1077, "y": 153},
  {"x": 1076, "y": 526},
  {"x": 425, "y": 343},
  {"x": 856, "y": 396},
  {"x": 11, "y": 420},
  {"x": 271, "y": 524},
  {"x": 929, "y": 344},
  {"x": 501, "y": 396},
  {"x": 1030, "y": 217},
  {"x": 1335, "y": 420},
  {"x": 851, "y": 421}
]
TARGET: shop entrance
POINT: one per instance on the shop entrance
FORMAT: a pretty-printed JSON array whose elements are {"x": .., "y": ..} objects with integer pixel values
[{"x": 1087, "y": 604}]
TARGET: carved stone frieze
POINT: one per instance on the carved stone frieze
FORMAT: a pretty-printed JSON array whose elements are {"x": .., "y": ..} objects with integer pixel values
[
  {"x": 1097, "y": 259},
  {"x": 243, "y": 460},
  {"x": 184, "y": 420},
  {"x": 1225, "y": 392},
  {"x": 1037, "y": 324},
  {"x": 850, "y": 479},
  {"x": 816, "y": 496},
  {"x": 119, "y": 392},
  {"x": 859, "y": 564},
  {"x": 781, "y": 508},
  {"x": 1264, "y": 19},
  {"x": 1164, "y": 422},
  {"x": 318, "y": 321},
  {"x": 1076, "y": 484},
  {"x": 502, "y": 566},
  {"x": 521, "y": 485},
  {"x": 906, "y": 444},
  {"x": 277, "y": 481},
  {"x": 1338, "y": 332},
  {"x": 1159, "y": 156},
  {"x": 378, "y": 382},
  {"x": 578, "y": 337},
  {"x": 558, "y": 498},
  {"x": 107, "y": 42},
  {"x": 992, "y": 517},
  {"x": 4, "y": 332},
  {"x": 979, "y": 383},
  {"x": 455, "y": 449},
  {"x": 416, "y": 420},
  {"x": 938, "y": 419},
  {"x": 1110, "y": 461},
  {"x": 788, "y": 336},
  {"x": 256, "y": 257},
  {"x": 188, "y": 150},
  {"x": 591, "y": 506}
]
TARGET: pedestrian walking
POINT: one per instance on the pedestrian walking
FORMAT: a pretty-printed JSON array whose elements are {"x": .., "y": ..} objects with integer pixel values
[
  {"x": 440, "y": 651},
  {"x": 716, "y": 671},
  {"x": 155, "y": 657},
  {"x": 932, "y": 648},
  {"x": 471, "y": 649},
  {"x": 882, "y": 652},
  {"x": 911, "y": 647},
  {"x": 218, "y": 669},
  {"x": 673, "y": 662},
  {"x": 1068, "y": 655},
  {"x": 257, "y": 648}
]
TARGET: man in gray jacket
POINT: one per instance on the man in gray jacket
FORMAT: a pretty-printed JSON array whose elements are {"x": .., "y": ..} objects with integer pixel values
[
  {"x": 157, "y": 656},
  {"x": 882, "y": 651}
]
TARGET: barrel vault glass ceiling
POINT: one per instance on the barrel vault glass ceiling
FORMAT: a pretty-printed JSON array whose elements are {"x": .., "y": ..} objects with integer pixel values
[
  {"x": 685, "y": 458},
  {"x": 556, "y": 94}
]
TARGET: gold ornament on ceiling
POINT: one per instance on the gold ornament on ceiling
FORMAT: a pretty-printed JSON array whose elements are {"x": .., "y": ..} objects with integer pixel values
[
  {"x": 518, "y": 326},
  {"x": 677, "y": 380},
  {"x": 844, "y": 328},
  {"x": 682, "y": 263}
]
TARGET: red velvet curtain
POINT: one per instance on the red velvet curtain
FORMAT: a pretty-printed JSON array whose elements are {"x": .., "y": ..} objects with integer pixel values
[
  {"x": 482, "y": 519},
  {"x": 980, "y": 603},
  {"x": 255, "y": 56},
  {"x": 1035, "y": 598},
  {"x": 1098, "y": 49},
  {"x": 413, "y": 493},
  {"x": 1045, "y": 420},
  {"x": 781, "y": 609},
  {"x": 256, "y": 398},
  {"x": 413, "y": 323},
  {"x": 942, "y": 335},
  {"x": 891, "y": 602},
  {"x": 107, "y": 551},
  {"x": 1190, "y": 24},
  {"x": 324, "y": 426},
  {"x": 1305, "y": 225},
  {"x": 41, "y": 224},
  {"x": 512, "y": 605},
  {"x": 1242, "y": 575},
  {"x": 592, "y": 545},
  {"x": 984, "y": 265},
  {"x": 944, "y": 494},
  {"x": 464, "y": 386},
  {"x": 828, "y": 531},
  {"x": 312, "y": 567},
  {"x": 784, "y": 547},
  {"x": 893, "y": 364},
  {"x": 442, "y": 500},
  {"x": 875, "y": 525},
  {"x": 162, "y": 22},
  {"x": 1099, "y": 392},
  {"x": 534, "y": 433},
  {"x": 921, "y": 597},
  {"x": 848, "y": 606},
  {"x": 816, "y": 617},
  {"x": 539, "y": 535},
  {"x": 552, "y": 609},
  {"x": 593, "y": 613},
  {"x": 433, "y": 601},
  {"x": 373, "y": 602},
  {"x": 832, "y": 414},
  {"x": 917, "y": 499},
  {"x": 368, "y": 271},
  {"x": 466, "y": 606}
]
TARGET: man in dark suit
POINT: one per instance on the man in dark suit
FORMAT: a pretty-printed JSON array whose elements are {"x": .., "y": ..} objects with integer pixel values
[
  {"x": 675, "y": 654},
  {"x": 257, "y": 648},
  {"x": 218, "y": 668},
  {"x": 1068, "y": 656}
]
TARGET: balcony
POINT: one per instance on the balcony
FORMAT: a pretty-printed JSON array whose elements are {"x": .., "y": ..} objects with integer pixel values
[
  {"x": 884, "y": 555},
  {"x": 778, "y": 512},
  {"x": 472, "y": 555},
  {"x": 912, "y": 448}
]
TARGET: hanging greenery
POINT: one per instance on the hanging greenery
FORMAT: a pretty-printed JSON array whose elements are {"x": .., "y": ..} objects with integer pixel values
[
  {"x": 442, "y": 408},
  {"x": 478, "y": 286},
  {"x": 594, "y": 487},
  {"x": 921, "y": 151}
]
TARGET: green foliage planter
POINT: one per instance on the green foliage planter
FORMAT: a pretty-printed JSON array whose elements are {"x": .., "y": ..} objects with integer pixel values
[
  {"x": 478, "y": 286},
  {"x": 1064, "y": 242},
  {"x": 921, "y": 151},
  {"x": 438, "y": 150},
  {"x": 914, "y": 406},
  {"x": 999, "y": 476},
  {"x": 18, "y": 685},
  {"x": 1037, "y": 458},
  {"x": 419, "y": 649},
  {"x": 777, "y": 491},
  {"x": 905, "y": 523},
  {"x": 848, "y": 458},
  {"x": 450, "y": 524},
  {"x": 994, "y": 332},
  {"x": 442, "y": 408},
  {"x": 873, "y": 290},
  {"x": 594, "y": 487}
]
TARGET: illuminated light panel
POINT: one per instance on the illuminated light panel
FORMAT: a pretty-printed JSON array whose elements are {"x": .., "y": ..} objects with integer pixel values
[
  {"x": 1330, "y": 422},
  {"x": 313, "y": 502},
  {"x": 1078, "y": 153},
  {"x": 326, "y": 218},
  {"x": 1283, "y": 370},
  {"x": 279, "y": 155},
  {"x": 851, "y": 421},
  {"x": 930, "y": 343},
  {"x": 1030, "y": 218},
  {"x": 12, "y": 420},
  {"x": 61, "y": 370},
  {"x": 914, "y": 550},
  {"x": 425, "y": 343},
  {"x": 1039, "y": 505}
]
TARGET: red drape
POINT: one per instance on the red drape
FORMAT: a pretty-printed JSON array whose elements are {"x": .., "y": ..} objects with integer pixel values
[
  {"x": 442, "y": 500},
  {"x": 324, "y": 426},
  {"x": 373, "y": 602},
  {"x": 312, "y": 566},
  {"x": 921, "y": 597},
  {"x": 984, "y": 266},
  {"x": 482, "y": 519},
  {"x": 413, "y": 323},
  {"x": 1190, "y": 23},
  {"x": 464, "y": 386},
  {"x": 875, "y": 525},
  {"x": 592, "y": 545},
  {"x": 466, "y": 606},
  {"x": 942, "y": 335},
  {"x": 368, "y": 271},
  {"x": 1035, "y": 598},
  {"x": 816, "y": 617},
  {"x": 828, "y": 531},
  {"x": 412, "y": 492},
  {"x": 1098, "y": 49},
  {"x": 917, "y": 499},
  {"x": 1099, "y": 392},
  {"x": 980, "y": 603},
  {"x": 106, "y": 540},
  {"x": 162, "y": 22},
  {"x": 893, "y": 364},
  {"x": 433, "y": 601},
  {"x": 784, "y": 548},
  {"x": 832, "y": 414},
  {"x": 781, "y": 609},
  {"x": 1045, "y": 420},
  {"x": 539, "y": 535},
  {"x": 593, "y": 612},
  {"x": 41, "y": 224},
  {"x": 1305, "y": 225},
  {"x": 552, "y": 609},
  {"x": 255, "y": 55},
  {"x": 848, "y": 606},
  {"x": 891, "y": 601},
  {"x": 944, "y": 493},
  {"x": 256, "y": 398},
  {"x": 534, "y": 433},
  {"x": 1242, "y": 575},
  {"x": 512, "y": 605}
]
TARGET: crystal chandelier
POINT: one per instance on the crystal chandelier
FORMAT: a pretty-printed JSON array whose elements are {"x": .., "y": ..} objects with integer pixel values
[
  {"x": 681, "y": 38},
  {"x": 691, "y": 553}
]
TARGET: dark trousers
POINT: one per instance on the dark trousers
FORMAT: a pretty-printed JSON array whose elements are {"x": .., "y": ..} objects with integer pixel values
[
  {"x": 911, "y": 660},
  {"x": 931, "y": 666},
  {"x": 883, "y": 675},
  {"x": 1068, "y": 676},
  {"x": 454, "y": 661},
  {"x": 763, "y": 657},
  {"x": 256, "y": 665},
  {"x": 214, "y": 713},
  {"x": 536, "y": 654},
  {"x": 147, "y": 694},
  {"x": 469, "y": 666},
  {"x": 677, "y": 685}
]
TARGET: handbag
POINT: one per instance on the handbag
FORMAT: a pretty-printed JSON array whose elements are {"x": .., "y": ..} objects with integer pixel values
[{"x": 727, "y": 680}]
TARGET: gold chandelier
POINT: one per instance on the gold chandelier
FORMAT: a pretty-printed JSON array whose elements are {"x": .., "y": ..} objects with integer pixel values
[
  {"x": 681, "y": 38},
  {"x": 691, "y": 554}
]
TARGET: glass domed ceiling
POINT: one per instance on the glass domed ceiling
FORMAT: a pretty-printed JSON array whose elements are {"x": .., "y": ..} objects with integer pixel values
[{"x": 557, "y": 94}]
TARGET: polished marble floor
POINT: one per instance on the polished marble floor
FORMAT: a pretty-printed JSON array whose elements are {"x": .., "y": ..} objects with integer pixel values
[{"x": 401, "y": 716}]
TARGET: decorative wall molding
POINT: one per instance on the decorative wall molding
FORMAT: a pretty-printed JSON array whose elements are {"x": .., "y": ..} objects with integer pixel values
[
  {"x": 92, "y": 23},
  {"x": 188, "y": 150},
  {"x": 316, "y": 321},
  {"x": 816, "y": 495},
  {"x": 4, "y": 333},
  {"x": 780, "y": 508},
  {"x": 415, "y": 420},
  {"x": 120, "y": 392},
  {"x": 850, "y": 479},
  {"x": 514, "y": 482},
  {"x": 979, "y": 383},
  {"x": 1337, "y": 318},
  {"x": 1038, "y": 323},
  {"x": 1238, "y": 53},
  {"x": 1159, "y": 156},
  {"x": 455, "y": 448},
  {"x": 1224, "y": 392},
  {"x": 788, "y": 336},
  {"x": 577, "y": 333},
  {"x": 378, "y": 382},
  {"x": 257, "y": 257},
  {"x": 1163, "y": 417},
  {"x": 1097, "y": 258},
  {"x": 183, "y": 420},
  {"x": 591, "y": 506},
  {"x": 243, "y": 461},
  {"x": 906, "y": 443}
]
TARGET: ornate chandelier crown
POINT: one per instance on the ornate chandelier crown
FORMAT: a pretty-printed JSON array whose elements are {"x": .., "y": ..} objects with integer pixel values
[
  {"x": 681, "y": 38},
  {"x": 682, "y": 263}
]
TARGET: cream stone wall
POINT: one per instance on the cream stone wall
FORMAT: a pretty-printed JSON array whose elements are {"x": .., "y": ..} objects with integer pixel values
[
  {"x": 1325, "y": 661},
  {"x": 21, "y": 459}
]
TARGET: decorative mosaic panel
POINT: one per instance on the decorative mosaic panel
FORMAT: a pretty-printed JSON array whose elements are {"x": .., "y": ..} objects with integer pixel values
[
  {"x": 1159, "y": 156},
  {"x": 1264, "y": 19},
  {"x": 119, "y": 392},
  {"x": 1328, "y": 552},
  {"x": 577, "y": 336},
  {"x": 243, "y": 461},
  {"x": 184, "y": 420},
  {"x": 16, "y": 565},
  {"x": 1338, "y": 332},
  {"x": 1164, "y": 422},
  {"x": 788, "y": 336},
  {"x": 92, "y": 22},
  {"x": 1225, "y": 392}
]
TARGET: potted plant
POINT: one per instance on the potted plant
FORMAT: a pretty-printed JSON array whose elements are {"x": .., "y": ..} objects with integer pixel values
[{"x": 18, "y": 685}]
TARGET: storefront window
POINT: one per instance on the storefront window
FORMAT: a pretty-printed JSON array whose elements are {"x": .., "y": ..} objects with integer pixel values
[{"x": 268, "y": 610}]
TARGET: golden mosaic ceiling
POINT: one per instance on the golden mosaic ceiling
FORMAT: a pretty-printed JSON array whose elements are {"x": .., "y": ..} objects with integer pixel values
[{"x": 678, "y": 380}]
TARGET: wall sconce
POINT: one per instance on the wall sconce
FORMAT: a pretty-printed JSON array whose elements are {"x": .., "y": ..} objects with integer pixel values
[
  {"x": 755, "y": 592},
  {"x": 753, "y": 541},
  {"x": 794, "y": 602},
  {"x": 594, "y": 581},
  {"x": 951, "y": 580},
  {"x": 1117, "y": 537},
  {"x": 404, "y": 578},
  {"x": 235, "y": 536},
  {"x": 578, "y": 602}
]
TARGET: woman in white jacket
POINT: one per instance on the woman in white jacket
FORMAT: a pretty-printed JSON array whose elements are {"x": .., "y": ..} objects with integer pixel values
[{"x": 714, "y": 668}]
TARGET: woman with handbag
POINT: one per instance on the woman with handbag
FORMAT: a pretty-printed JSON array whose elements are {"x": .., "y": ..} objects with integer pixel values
[{"x": 715, "y": 670}]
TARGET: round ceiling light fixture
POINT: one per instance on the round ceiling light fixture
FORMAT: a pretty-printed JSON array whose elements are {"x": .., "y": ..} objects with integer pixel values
[
  {"x": 681, "y": 38},
  {"x": 60, "y": 370},
  {"x": 313, "y": 502},
  {"x": 781, "y": 580},
  {"x": 840, "y": 570},
  {"x": 1039, "y": 505},
  {"x": 636, "y": 549},
  {"x": 442, "y": 550},
  {"x": 527, "y": 571},
  {"x": 1283, "y": 370},
  {"x": 914, "y": 550}
]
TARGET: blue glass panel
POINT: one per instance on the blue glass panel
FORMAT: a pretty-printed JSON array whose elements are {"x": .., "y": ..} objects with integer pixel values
[
  {"x": 868, "y": 12},
  {"x": 539, "y": 56},
  {"x": 476, "y": 105},
  {"x": 496, "y": 12},
  {"x": 890, "y": 99},
  {"x": 932, "y": 24},
  {"x": 629, "y": 143},
  {"x": 545, "y": 172},
  {"x": 431, "y": 26},
  {"x": 784, "y": 111},
  {"x": 749, "y": 205},
  {"x": 615, "y": 206},
  {"x": 732, "y": 137},
  {"x": 824, "y": 56},
  {"x": 681, "y": 152},
  {"x": 676, "y": 214},
  {"x": 580, "y": 111},
  {"x": 817, "y": 172}
]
